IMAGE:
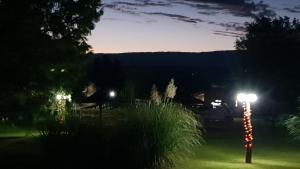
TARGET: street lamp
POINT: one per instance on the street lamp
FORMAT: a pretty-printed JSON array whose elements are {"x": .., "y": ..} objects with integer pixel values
[
  {"x": 112, "y": 94},
  {"x": 246, "y": 99}
]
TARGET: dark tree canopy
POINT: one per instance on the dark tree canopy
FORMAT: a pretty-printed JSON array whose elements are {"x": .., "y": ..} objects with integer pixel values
[
  {"x": 271, "y": 45},
  {"x": 271, "y": 54},
  {"x": 43, "y": 42}
]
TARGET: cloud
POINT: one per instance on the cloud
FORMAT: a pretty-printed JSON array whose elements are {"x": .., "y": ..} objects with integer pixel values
[
  {"x": 233, "y": 26},
  {"x": 139, "y": 3},
  {"x": 228, "y": 33},
  {"x": 133, "y": 7},
  {"x": 154, "y": 3},
  {"x": 241, "y": 8},
  {"x": 123, "y": 8},
  {"x": 295, "y": 9},
  {"x": 176, "y": 17}
]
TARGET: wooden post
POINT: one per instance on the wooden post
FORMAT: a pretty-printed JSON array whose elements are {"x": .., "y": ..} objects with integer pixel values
[
  {"x": 248, "y": 158},
  {"x": 100, "y": 111}
]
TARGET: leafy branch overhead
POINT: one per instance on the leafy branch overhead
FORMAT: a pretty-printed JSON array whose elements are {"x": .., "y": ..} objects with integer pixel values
[{"x": 44, "y": 43}]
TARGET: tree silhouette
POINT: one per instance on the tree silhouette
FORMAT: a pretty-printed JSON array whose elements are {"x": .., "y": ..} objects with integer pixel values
[
  {"x": 43, "y": 44},
  {"x": 270, "y": 50}
]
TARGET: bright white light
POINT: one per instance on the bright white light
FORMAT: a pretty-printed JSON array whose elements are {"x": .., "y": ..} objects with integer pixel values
[
  {"x": 59, "y": 97},
  {"x": 63, "y": 97},
  {"x": 68, "y": 97},
  {"x": 246, "y": 97},
  {"x": 252, "y": 97},
  {"x": 215, "y": 104},
  {"x": 112, "y": 94},
  {"x": 218, "y": 101},
  {"x": 241, "y": 97}
]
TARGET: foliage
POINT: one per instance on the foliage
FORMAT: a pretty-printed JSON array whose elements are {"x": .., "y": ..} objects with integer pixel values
[
  {"x": 141, "y": 135},
  {"x": 169, "y": 94},
  {"x": 50, "y": 33},
  {"x": 138, "y": 136},
  {"x": 155, "y": 96},
  {"x": 157, "y": 134},
  {"x": 293, "y": 126},
  {"x": 59, "y": 103},
  {"x": 43, "y": 44},
  {"x": 293, "y": 123},
  {"x": 170, "y": 90},
  {"x": 270, "y": 50},
  {"x": 268, "y": 40}
]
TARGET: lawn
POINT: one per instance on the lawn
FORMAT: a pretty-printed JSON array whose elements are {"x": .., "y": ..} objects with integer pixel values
[
  {"x": 223, "y": 150},
  {"x": 273, "y": 149},
  {"x": 12, "y": 131},
  {"x": 228, "y": 154}
]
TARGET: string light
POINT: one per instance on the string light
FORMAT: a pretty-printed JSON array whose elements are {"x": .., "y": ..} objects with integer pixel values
[
  {"x": 246, "y": 99},
  {"x": 247, "y": 125}
]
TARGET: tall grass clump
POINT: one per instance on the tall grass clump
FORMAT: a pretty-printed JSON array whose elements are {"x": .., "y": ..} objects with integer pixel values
[
  {"x": 158, "y": 134},
  {"x": 141, "y": 135}
]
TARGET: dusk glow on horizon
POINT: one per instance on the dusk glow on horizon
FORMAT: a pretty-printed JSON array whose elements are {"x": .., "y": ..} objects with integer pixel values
[{"x": 179, "y": 25}]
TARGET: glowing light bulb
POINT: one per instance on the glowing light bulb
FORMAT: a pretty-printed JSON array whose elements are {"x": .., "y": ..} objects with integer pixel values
[{"x": 112, "y": 94}]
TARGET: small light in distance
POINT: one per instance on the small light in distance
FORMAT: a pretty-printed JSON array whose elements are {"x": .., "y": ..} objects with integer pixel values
[{"x": 112, "y": 94}]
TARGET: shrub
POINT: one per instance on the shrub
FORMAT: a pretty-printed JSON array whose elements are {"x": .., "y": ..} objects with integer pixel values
[
  {"x": 157, "y": 134},
  {"x": 293, "y": 126},
  {"x": 138, "y": 136}
]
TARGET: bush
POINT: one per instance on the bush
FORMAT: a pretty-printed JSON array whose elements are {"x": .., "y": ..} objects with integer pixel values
[
  {"x": 293, "y": 126},
  {"x": 158, "y": 134},
  {"x": 140, "y": 136}
]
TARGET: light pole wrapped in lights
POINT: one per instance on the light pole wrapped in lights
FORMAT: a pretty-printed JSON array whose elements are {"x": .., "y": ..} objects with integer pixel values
[{"x": 246, "y": 99}]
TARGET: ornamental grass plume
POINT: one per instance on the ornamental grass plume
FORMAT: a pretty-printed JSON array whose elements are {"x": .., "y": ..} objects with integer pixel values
[
  {"x": 170, "y": 90},
  {"x": 155, "y": 96}
]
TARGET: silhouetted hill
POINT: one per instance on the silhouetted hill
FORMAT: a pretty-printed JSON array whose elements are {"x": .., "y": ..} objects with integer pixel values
[
  {"x": 178, "y": 59},
  {"x": 192, "y": 71}
]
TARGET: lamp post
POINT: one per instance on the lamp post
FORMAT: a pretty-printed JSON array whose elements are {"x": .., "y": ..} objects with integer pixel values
[
  {"x": 246, "y": 99},
  {"x": 112, "y": 94}
]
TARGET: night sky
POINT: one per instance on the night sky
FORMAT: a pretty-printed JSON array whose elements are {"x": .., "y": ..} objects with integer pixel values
[{"x": 180, "y": 25}]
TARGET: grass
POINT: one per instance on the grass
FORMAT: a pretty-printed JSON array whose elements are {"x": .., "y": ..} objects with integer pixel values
[
  {"x": 226, "y": 154},
  {"x": 273, "y": 149},
  {"x": 223, "y": 150},
  {"x": 218, "y": 153},
  {"x": 11, "y": 131}
]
